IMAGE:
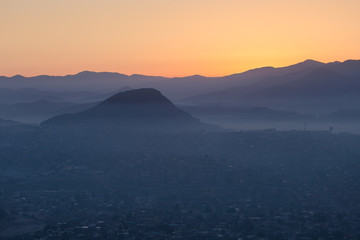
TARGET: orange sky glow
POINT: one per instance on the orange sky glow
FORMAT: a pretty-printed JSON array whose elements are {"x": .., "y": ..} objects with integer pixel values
[{"x": 173, "y": 38}]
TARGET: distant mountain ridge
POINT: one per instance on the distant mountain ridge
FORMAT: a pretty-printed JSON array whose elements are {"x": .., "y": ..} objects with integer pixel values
[
  {"x": 309, "y": 85},
  {"x": 316, "y": 87},
  {"x": 174, "y": 88}
]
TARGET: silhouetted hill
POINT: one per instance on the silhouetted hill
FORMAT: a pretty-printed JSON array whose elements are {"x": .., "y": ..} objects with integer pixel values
[{"x": 135, "y": 109}]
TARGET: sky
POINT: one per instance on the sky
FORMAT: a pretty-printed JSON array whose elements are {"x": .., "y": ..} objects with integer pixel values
[{"x": 173, "y": 37}]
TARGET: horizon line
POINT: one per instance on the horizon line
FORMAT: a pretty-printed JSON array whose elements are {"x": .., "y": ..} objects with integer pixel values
[{"x": 193, "y": 75}]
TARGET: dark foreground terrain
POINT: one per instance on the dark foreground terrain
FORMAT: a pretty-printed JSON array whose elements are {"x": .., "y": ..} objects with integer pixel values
[{"x": 107, "y": 184}]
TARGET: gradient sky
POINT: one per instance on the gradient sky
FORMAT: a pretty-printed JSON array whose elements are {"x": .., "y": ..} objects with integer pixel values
[{"x": 173, "y": 37}]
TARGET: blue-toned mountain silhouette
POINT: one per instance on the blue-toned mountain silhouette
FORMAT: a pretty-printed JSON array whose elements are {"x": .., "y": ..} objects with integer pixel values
[
  {"x": 144, "y": 108},
  {"x": 308, "y": 86}
]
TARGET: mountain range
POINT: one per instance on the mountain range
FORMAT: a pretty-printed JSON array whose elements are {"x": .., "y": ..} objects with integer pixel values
[
  {"x": 307, "y": 87},
  {"x": 250, "y": 84},
  {"x": 305, "y": 90}
]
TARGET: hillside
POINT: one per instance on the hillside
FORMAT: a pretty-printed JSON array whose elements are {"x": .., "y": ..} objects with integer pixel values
[{"x": 135, "y": 109}]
